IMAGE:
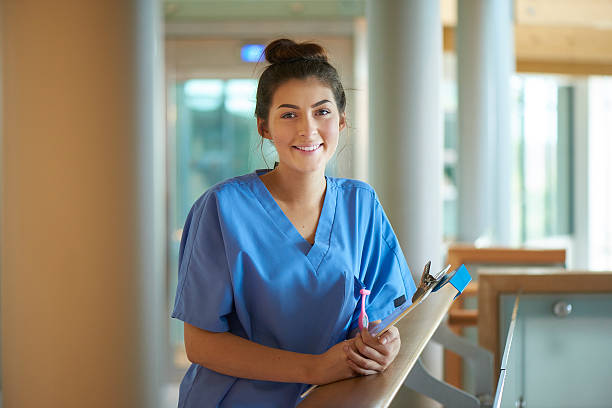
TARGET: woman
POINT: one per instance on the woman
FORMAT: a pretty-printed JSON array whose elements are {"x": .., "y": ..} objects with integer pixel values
[{"x": 272, "y": 262}]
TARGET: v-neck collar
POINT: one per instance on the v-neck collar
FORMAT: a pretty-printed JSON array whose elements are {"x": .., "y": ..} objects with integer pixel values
[{"x": 316, "y": 251}]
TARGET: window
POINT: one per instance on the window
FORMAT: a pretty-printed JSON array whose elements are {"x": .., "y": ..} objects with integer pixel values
[
  {"x": 542, "y": 142},
  {"x": 600, "y": 173},
  {"x": 542, "y": 158}
]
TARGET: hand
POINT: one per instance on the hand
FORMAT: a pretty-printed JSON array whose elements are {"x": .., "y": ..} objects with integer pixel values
[
  {"x": 369, "y": 355},
  {"x": 333, "y": 365}
]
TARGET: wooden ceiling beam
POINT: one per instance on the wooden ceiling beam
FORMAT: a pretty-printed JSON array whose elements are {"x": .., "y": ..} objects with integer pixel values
[
  {"x": 567, "y": 13},
  {"x": 566, "y": 50}
]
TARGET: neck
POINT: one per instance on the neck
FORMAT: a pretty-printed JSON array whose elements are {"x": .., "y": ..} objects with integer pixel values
[{"x": 294, "y": 187}]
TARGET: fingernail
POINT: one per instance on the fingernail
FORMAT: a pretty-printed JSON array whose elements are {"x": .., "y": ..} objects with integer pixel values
[
  {"x": 384, "y": 340},
  {"x": 345, "y": 348}
]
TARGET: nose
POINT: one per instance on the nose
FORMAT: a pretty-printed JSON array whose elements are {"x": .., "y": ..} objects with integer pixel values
[{"x": 307, "y": 126}]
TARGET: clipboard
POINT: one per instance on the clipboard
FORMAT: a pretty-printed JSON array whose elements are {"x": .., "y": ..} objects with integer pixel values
[{"x": 459, "y": 278}]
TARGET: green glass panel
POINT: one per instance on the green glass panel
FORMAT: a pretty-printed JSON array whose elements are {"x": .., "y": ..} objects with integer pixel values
[{"x": 560, "y": 361}]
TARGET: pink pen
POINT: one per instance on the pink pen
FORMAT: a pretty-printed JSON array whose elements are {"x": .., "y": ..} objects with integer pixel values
[
  {"x": 363, "y": 322},
  {"x": 363, "y": 317}
]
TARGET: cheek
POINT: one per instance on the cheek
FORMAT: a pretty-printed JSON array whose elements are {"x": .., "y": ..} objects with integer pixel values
[
  {"x": 332, "y": 131},
  {"x": 332, "y": 141}
]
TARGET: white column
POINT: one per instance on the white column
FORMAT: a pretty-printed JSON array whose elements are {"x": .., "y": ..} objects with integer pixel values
[
  {"x": 474, "y": 116},
  {"x": 359, "y": 136},
  {"x": 485, "y": 61},
  {"x": 405, "y": 71},
  {"x": 151, "y": 159},
  {"x": 502, "y": 47},
  {"x": 82, "y": 205}
]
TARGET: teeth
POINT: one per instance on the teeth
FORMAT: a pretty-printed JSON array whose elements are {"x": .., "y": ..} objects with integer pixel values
[{"x": 308, "y": 148}]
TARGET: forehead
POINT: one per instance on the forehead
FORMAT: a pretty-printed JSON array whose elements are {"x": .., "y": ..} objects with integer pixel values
[{"x": 302, "y": 91}]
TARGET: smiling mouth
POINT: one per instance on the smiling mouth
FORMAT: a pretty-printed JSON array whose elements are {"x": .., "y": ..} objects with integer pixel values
[{"x": 310, "y": 148}]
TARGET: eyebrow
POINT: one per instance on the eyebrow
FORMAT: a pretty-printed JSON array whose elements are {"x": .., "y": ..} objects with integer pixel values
[{"x": 286, "y": 105}]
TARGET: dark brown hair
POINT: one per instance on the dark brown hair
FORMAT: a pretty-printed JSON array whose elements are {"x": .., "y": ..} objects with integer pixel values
[{"x": 290, "y": 60}]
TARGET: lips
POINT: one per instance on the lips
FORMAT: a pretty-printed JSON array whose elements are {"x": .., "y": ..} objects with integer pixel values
[{"x": 308, "y": 148}]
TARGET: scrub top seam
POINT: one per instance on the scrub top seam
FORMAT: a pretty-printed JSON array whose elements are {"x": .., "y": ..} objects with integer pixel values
[
  {"x": 331, "y": 228},
  {"x": 398, "y": 263},
  {"x": 225, "y": 184},
  {"x": 195, "y": 233},
  {"x": 354, "y": 186},
  {"x": 192, "y": 383},
  {"x": 228, "y": 390}
]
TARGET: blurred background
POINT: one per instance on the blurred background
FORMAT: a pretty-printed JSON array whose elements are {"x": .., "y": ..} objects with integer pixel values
[{"x": 480, "y": 123}]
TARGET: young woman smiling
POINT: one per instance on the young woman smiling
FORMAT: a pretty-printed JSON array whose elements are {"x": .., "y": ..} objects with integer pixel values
[{"x": 272, "y": 263}]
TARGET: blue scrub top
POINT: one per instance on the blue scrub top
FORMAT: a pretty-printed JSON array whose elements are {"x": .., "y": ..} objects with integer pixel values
[{"x": 244, "y": 268}]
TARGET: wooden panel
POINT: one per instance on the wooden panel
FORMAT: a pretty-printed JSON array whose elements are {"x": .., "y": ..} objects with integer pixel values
[
  {"x": 463, "y": 317},
  {"x": 566, "y": 68},
  {"x": 448, "y": 39},
  {"x": 588, "y": 13},
  {"x": 379, "y": 390},
  {"x": 575, "y": 44},
  {"x": 531, "y": 280},
  {"x": 560, "y": 50}
]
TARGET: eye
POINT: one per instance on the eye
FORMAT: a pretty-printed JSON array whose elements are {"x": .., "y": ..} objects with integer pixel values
[
  {"x": 288, "y": 115},
  {"x": 323, "y": 112}
]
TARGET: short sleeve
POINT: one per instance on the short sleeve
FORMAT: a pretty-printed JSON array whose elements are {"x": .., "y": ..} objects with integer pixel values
[
  {"x": 204, "y": 292},
  {"x": 384, "y": 270}
]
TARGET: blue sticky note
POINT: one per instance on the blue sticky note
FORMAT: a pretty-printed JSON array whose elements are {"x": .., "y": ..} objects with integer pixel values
[{"x": 459, "y": 279}]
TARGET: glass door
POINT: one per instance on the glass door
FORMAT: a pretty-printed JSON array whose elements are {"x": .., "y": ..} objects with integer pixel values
[{"x": 215, "y": 138}]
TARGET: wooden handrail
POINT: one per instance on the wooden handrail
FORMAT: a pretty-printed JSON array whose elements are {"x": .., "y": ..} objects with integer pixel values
[{"x": 464, "y": 254}]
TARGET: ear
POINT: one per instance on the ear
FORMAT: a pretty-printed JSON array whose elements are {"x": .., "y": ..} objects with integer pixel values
[
  {"x": 262, "y": 129},
  {"x": 342, "y": 121}
]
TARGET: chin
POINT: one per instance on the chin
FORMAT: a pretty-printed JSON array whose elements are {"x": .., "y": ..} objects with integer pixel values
[{"x": 310, "y": 169}]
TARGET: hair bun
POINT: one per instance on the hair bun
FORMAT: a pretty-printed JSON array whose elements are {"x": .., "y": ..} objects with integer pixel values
[{"x": 285, "y": 50}]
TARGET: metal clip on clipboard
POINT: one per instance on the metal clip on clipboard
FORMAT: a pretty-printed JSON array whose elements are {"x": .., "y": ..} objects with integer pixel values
[{"x": 428, "y": 283}]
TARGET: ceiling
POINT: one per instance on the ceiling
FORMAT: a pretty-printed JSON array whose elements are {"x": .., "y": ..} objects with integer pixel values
[
  {"x": 561, "y": 36},
  {"x": 572, "y": 13},
  {"x": 218, "y": 10}
]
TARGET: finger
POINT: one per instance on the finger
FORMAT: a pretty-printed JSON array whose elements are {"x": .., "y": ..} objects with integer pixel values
[
  {"x": 367, "y": 351},
  {"x": 359, "y": 370},
  {"x": 373, "y": 342},
  {"x": 362, "y": 361},
  {"x": 383, "y": 360},
  {"x": 383, "y": 354},
  {"x": 387, "y": 337}
]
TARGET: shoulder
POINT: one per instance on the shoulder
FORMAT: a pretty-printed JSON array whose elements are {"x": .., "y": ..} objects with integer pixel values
[
  {"x": 351, "y": 187},
  {"x": 355, "y": 192},
  {"x": 233, "y": 190}
]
